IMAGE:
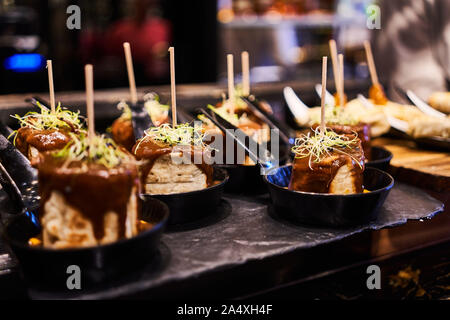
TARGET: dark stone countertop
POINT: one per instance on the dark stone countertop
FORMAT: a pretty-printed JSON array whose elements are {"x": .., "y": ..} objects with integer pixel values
[{"x": 244, "y": 231}]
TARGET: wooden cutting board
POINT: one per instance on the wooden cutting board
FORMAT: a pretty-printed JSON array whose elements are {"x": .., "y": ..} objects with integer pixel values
[{"x": 423, "y": 168}]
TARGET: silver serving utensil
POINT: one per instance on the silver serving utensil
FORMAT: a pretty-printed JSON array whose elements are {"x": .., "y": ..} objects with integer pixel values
[{"x": 423, "y": 106}]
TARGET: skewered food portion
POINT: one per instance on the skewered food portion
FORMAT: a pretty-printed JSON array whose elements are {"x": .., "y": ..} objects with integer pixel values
[
  {"x": 327, "y": 163},
  {"x": 174, "y": 160},
  {"x": 440, "y": 101},
  {"x": 342, "y": 121},
  {"x": 377, "y": 95},
  {"x": 122, "y": 128},
  {"x": 45, "y": 131},
  {"x": 89, "y": 194}
]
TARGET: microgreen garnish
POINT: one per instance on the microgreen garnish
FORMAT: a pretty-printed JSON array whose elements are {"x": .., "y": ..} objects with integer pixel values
[
  {"x": 60, "y": 119},
  {"x": 98, "y": 149},
  {"x": 318, "y": 145},
  {"x": 182, "y": 134}
]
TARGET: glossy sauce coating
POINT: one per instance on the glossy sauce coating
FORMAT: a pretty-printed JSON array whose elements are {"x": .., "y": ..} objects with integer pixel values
[
  {"x": 42, "y": 140},
  {"x": 317, "y": 176},
  {"x": 94, "y": 191}
]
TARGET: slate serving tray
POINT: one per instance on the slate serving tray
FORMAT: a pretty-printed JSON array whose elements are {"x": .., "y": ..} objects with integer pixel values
[{"x": 245, "y": 230}]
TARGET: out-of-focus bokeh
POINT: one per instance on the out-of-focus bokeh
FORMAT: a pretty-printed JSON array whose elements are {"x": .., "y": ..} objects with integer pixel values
[{"x": 285, "y": 39}]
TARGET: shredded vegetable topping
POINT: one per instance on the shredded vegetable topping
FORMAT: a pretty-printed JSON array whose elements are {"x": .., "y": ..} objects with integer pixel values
[
  {"x": 337, "y": 115},
  {"x": 45, "y": 119},
  {"x": 98, "y": 149},
  {"x": 318, "y": 145},
  {"x": 182, "y": 134}
]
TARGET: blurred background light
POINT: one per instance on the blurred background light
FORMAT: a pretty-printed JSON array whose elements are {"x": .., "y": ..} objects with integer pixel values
[{"x": 24, "y": 62}]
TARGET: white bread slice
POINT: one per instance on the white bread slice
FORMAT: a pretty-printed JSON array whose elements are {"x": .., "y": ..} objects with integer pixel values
[{"x": 168, "y": 176}]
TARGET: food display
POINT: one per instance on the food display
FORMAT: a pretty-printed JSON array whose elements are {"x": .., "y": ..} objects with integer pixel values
[
  {"x": 46, "y": 130},
  {"x": 96, "y": 190},
  {"x": 122, "y": 128}
]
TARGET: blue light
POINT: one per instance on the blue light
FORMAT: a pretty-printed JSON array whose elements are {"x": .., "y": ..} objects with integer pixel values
[{"x": 24, "y": 62}]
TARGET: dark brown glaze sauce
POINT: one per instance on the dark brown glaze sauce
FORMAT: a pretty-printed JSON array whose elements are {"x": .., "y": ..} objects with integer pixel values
[
  {"x": 361, "y": 129},
  {"x": 93, "y": 192},
  {"x": 42, "y": 140},
  {"x": 150, "y": 150},
  {"x": 319, "y": 178}
]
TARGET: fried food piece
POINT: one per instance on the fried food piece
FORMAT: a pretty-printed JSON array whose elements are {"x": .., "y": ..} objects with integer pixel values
[
  {"x": 440, "y": 101},
  {"x": 376, "y": 93}
]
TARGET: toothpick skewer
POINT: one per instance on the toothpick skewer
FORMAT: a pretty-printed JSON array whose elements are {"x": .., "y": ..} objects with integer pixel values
[
  {"x": 130, "y": 70},
  {"x": 172, "y": 86},
  {"x": 245, "y": 74},
  {"x": 322, "y": 100},
  {"x": 51, "y": 85},
  {"x": 335, "y": 63},
  {"x": 89, "y": 78},
  {"x": 341, "y": 80},
  {"x": 371, "y": 63},
  {"x": 230, "y": 81}
]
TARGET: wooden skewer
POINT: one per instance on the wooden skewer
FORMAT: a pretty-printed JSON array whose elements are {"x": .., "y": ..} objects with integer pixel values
[
  {"x": 89, "y": 78},
  {"x": 172, "y": 86},
  {"x": 230, "y": 81},
  {"x": 245, "y": 73},
  {"x": 51, "y": 85},
  {"x": 130, "y": 71},
  {"x": 371, "y": 63},
  {"x": 341, "y": 80},
  {"x": 322, "y": 100},
  {"x": 335, "y": 63}
]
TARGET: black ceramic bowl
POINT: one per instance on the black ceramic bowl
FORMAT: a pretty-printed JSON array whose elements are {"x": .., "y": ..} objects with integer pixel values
[
  {"x": 46, "y": 269},
  {"x": 380, "y": 158},
  {"x": 328, "y": 209},
  {"x": 191, "y": 206}
]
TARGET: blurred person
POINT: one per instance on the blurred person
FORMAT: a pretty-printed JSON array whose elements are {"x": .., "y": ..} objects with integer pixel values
[
  {"x": 148, "y": 35},
  {"x": 412, "y": 48}
]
